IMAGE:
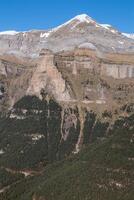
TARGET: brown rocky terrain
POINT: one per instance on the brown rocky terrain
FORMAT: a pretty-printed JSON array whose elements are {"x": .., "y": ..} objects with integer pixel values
[
  {"x": 79, "y": 61},
  {"x": 78, "y": 79},
  {"x": 60, "y": 90},
  {"x": 74, "y": 76}
]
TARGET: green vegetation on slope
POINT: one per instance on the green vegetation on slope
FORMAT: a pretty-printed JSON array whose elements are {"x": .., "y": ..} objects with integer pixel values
[
  {"x": 102, "y": 171},
  {"x": 31, "y": 136},
  {"x": 7, "y": 178}
]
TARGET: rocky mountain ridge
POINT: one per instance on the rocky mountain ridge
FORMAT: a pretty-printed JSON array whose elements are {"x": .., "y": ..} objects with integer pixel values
[
  {"x": 81, "y": 29},
  {"x": 61, "y": 90}
]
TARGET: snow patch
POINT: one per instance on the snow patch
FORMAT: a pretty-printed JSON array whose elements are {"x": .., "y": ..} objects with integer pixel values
[
  {"x": 45, "y": 35},
  {"x": 9, "y": 33},
  {"x": 109, "y": 27},
  {"x": 84, "y": 18},
  {"x": 129, "y": 35},
  {"x": 106, "y": 26}
]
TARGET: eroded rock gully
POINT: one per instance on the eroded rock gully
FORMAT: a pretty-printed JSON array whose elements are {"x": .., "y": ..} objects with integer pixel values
[{"x": 81, "y": 95}]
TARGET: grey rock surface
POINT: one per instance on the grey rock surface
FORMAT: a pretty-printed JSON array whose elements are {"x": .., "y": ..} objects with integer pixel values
[{"x": 75, "y": 32}]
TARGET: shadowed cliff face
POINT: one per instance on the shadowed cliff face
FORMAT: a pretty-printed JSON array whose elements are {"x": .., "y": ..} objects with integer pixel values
[
  {"x": 106, "y": 164},
  {"x": 38, "y": 132},
  {"x": 95, "y": 80},
  {"x": 76, "y": 77},
  {"x": 53, "y": 102},
  {"x": 14, "y": 80},
  {"x": 59, "y": 102}
]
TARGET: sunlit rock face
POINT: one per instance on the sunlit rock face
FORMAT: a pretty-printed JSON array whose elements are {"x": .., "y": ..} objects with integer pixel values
[
  {"x": 118, "y": 71},
  {"x": 47, "y": 77},
  {"x": 70, "y": 77},
  {"x": 95, "y": 79},
  {"x": 81, "y": 31},
  {"x": 63, "y": 88},
  {"x": 74, "y": 62}
]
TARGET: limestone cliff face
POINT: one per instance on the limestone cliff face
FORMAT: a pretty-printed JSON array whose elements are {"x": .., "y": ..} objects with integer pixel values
[
  {"x": 118, "y": 71},
  {"x": 14, "y": 80},
  {"x": 78, "y": 77},
  {"x": 53, "y": 102},
  {"x": 118, "y": 66},
  {"x": 47, "y": 77},
  {"x": 60, "y": 102},
  {"x": 96, "y": 79}
]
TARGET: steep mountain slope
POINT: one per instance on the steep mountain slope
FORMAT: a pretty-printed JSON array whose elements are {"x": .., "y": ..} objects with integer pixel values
[
  {"x": 61, "y": 90},
  {"x": 76, "y": 31},
  {"x": 102, "y": 171}
]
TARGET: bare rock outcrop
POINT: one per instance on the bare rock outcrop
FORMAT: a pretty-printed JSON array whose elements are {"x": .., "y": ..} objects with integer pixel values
[
  {"x": 78, "y": 76},
  {"x": 47, "y": 77}
]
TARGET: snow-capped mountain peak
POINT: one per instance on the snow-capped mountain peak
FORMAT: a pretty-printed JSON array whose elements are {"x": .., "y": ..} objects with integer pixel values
[
  {"x": 83, "y": 18},
  {"x": 81, "y": 31}
]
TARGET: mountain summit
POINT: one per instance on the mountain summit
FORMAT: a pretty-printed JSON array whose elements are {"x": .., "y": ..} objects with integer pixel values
[
  {"x": 81, "y": 18},
  {"x": 61, "y": 90},
  {"x": 73, "y": 33}
]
